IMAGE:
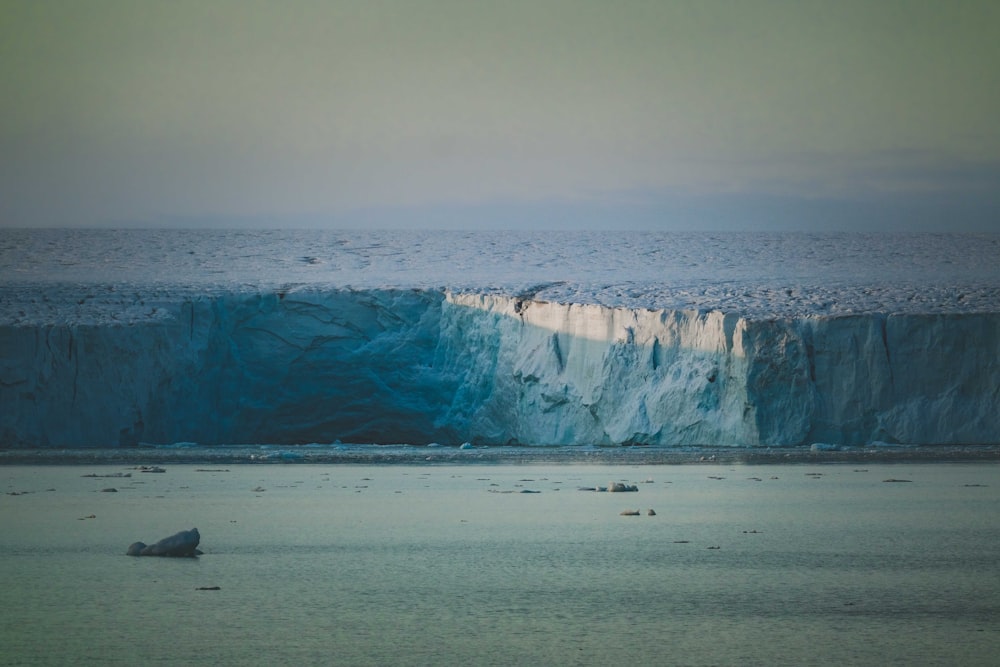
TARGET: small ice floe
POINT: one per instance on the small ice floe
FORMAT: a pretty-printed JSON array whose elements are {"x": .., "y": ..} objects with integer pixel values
[
  {"x": 629, "y": 513},
  {"x": 178, "y": 545},
  {"x": 466, "y": 445},
  {"x": 823, "y": 447},
  {"x": 612, "y": 487},
  {"x": 621, "y": 487}
]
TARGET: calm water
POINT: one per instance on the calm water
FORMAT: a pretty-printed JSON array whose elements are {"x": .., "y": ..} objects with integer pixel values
[{"x": 433, "y": 565}]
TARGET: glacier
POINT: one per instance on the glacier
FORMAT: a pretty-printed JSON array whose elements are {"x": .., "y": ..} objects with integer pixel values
[
  {"x": 420, "y": 366},
  {"x": 94, "y": 362}
]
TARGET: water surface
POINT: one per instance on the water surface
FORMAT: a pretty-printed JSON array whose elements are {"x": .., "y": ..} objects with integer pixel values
[{"x": 450, "y": 564}]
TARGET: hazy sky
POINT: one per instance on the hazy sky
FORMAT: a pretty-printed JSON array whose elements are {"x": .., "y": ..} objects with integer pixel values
[{"x": 700, "y": 114}]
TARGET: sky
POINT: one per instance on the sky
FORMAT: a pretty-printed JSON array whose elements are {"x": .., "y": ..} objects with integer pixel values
[{"x": 687, "y": 115}]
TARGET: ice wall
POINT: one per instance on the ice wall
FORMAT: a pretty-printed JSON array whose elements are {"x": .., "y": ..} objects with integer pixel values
[
  {"x": 556, "y": 373},
  {"x": 423, "y": 365},
  {"x": 258, "y": 368}
]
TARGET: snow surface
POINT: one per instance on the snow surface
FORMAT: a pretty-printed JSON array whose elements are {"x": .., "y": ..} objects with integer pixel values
[
  {"x": 127, "y": 337},
  {"x": 52, "y": 276}
]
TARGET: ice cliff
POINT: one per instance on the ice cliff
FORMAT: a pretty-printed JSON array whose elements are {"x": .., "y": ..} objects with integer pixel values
[{"x": 424, "y": 365}]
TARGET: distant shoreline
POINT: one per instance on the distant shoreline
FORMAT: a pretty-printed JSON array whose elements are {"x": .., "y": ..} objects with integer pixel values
[{"x": 435, "y": 455}]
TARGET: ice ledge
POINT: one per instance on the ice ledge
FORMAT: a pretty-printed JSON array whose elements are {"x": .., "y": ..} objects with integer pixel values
[{"x": 39, "y": 304}]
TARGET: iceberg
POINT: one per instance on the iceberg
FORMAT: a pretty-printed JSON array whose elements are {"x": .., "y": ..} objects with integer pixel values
[{"x": 391, "y": 365}]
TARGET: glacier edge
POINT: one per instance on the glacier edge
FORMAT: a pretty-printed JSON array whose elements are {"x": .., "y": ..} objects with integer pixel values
[{"x": 425, "y": 365}]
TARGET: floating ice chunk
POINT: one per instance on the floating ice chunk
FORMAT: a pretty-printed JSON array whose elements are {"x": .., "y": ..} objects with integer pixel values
[{"x": 181, "y": 544}]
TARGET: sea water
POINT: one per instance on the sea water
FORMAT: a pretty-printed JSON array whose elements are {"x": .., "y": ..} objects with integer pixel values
[{"x": 503, "y": 565}]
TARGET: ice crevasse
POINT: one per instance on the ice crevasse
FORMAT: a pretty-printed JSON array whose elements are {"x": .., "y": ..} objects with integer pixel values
[{"x": 423, "y": 365}]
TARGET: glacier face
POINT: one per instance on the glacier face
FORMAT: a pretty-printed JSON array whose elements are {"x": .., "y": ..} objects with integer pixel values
[
  {"x": 233, "y": 368},
  {"x": 423, "y": 365}
]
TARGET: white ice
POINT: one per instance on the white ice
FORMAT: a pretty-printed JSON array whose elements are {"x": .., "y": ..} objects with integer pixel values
[{"x": 51, "y": 276}]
